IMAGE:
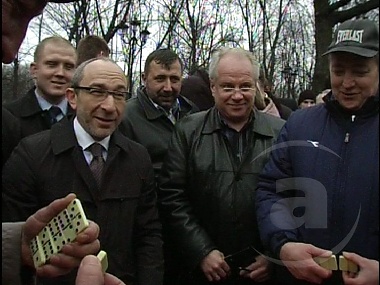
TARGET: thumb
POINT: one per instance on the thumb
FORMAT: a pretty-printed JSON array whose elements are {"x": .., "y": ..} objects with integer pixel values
[
  {"x": 90, "y": 271},
  {"x": 357, "y": 259},
  {"x": 317, "y": 251}
]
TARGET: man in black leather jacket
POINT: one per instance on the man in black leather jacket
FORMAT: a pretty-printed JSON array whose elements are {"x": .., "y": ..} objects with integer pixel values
[{"x": 208, "y": 179}]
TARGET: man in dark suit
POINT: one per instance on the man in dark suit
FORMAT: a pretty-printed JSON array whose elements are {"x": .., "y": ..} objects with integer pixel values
[
  {"x": 45, "y": 104},
  {"x": 119, "y": 195}
]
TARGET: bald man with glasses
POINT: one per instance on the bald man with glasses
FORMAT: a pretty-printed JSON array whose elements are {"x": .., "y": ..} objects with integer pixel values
[{"x": 110, "y": 174}]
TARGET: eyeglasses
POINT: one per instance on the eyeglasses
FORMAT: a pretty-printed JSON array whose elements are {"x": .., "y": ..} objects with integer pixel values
[
  {"x": 242, "y": 90},
  {"x": 102, "y": 94}
]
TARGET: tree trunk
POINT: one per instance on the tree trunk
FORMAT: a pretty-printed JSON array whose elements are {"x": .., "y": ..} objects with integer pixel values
[
  {"x": 323, "y": 38},
  {"x": 15, "y": 78}
]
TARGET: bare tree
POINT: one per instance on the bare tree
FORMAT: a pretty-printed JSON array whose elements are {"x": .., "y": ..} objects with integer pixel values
[
  {"x": 279, "y": 34},
  {"x": 197, "y": 32},
  {"x": 21, "y": 80},
  {"x": 287, "y": 36},
  {"x": 89, "y": 17}
]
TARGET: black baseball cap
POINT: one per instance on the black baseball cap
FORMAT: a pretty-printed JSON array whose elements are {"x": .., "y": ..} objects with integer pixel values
[{"x": 359, "y": 37}]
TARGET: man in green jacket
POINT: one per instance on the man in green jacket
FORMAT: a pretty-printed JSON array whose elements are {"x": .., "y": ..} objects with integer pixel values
[{"x": 150, "y": 116}]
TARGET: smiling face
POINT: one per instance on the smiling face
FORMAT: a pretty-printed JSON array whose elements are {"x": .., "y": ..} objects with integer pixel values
[
  {"x": 234, "y": 71},
  {"x": 53, "y": 70},
  {"x": 353, "y": 79},
  {"x": 163, "y": 83},
  {"x": 98, "y": 116}
]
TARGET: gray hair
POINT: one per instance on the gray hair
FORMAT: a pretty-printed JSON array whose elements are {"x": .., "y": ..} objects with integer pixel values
[
  {"x": 79, "y": 72},
  {"x": 217, "y": 56}
]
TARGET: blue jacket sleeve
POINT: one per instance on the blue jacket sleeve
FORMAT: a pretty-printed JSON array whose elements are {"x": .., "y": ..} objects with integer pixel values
[{"x": 274, "y": 196}]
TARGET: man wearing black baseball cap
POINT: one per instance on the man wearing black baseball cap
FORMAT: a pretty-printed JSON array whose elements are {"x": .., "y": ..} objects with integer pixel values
[{"x": 336, "y": 165}]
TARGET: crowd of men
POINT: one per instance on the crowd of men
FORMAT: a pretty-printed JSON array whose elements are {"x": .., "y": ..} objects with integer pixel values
[{"x": 243, "y": 191}]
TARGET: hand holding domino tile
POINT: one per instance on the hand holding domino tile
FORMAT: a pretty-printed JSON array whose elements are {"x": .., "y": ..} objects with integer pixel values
[
  {"x": 41, "y": 243},
  {"x": 92, "y": 271},
  {"x": 60, "y": 231},
  {"x": 328, "y": 263},
  {"x": 355, "y": 268},
  {"x": 298, "y": 258},
  {"x": 331, "y": 263},
  {"x": 368, "y": 270}
]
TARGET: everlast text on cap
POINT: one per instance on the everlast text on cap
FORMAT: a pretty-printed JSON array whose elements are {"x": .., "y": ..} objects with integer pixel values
[{"x": 359, "y": 37}]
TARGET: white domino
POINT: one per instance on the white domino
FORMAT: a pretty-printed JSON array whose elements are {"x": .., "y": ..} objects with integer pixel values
[
  {"x": 38, "y": 255},
  {"x": 49, "y": 246},
  {"x": 44, "y": 236},
  {"x": 102, "y": 255},
  {"x": 61, "y": 230},
  {"x": 57, "y": 224},
  {"x": 327, "y": 262}
]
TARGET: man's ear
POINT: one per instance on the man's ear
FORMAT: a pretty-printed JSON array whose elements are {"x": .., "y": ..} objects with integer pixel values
[
  {"x": 71, "y": 97},
  {"x": 143, "y": 77},
  {"x": 212, "y": 87},
  {"x": 33, "y": 70}
]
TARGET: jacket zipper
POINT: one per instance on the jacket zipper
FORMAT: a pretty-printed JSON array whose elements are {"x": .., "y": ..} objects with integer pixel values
[{"x": 347, "y": 137}]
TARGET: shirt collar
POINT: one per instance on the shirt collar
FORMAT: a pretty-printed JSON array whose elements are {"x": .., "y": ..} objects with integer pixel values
[
  {"x": 45, "y": 105},
  {"x": 84, "y": 139},
  {"x": 225, "y": 124},
  {"x": 158, "y": 107}
]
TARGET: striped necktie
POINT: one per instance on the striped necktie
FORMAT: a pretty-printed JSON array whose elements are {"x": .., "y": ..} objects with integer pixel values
[{"x": 97, "y": 162}]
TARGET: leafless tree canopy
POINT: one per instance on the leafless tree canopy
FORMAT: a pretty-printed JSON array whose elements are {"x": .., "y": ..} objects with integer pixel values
[{"x": 287, "y": 36}]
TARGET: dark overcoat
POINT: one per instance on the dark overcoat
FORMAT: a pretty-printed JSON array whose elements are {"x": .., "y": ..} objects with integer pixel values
[
  {"x": 51, "y": 164},
  {"x": 32, "y": 118}
]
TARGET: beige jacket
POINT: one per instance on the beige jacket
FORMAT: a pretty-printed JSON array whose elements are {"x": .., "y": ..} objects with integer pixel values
[{"x": 11, "y": 256}]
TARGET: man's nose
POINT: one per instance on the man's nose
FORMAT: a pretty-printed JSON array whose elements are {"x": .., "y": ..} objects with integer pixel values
[
  {"x": 348, "y": 80},
  {"x": 168, "y": 85},
  {"x": 109, "y": 103}
]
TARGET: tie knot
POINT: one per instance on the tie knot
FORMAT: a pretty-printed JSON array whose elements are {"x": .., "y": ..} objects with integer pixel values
[
  {"x": 96, "y": 149},
  {"x": 54, "y": 111}
]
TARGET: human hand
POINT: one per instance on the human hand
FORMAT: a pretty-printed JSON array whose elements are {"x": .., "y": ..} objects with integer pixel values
[
  {"x": 90, "y": 272},
  {"x": 298, "y": 258},
  {"x": 368, "y": 273},
  {"x": 16, "y": 17},
  {"x": 257, "y": 271},
  {"x": 214, "y": 267},
  {"x": 71, "y": 254}
]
